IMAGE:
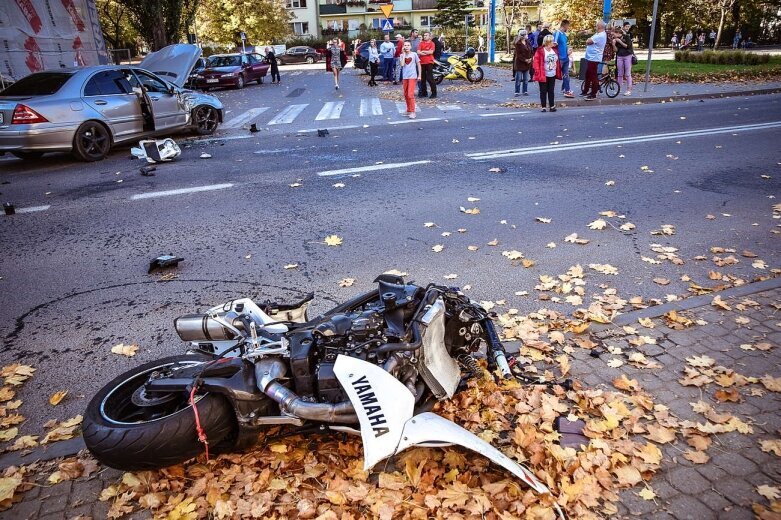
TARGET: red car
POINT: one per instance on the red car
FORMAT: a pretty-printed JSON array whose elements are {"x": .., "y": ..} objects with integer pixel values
[{"x": 231, "y": 70}]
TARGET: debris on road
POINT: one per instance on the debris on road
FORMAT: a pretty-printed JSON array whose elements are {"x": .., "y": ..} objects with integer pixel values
[
  {"x": 148, "y": 171},
  {"x": 9, "y": 208},
  {"x": 154, "y": 150},
  {"x": 322, "y": 133},
  {"x": 164, "y": 262}
]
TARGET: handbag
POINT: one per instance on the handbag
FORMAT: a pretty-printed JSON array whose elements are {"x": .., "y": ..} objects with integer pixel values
[{"x": 634, "y": 59}]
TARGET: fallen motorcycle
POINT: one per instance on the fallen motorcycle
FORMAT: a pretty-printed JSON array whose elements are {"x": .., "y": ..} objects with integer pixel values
[
  {"x": 373, "y": 366},
  {"x": 459, "y": 67}
]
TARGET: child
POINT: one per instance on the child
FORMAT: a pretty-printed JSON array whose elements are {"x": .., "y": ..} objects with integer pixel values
[{"x": 409, "y": 65}]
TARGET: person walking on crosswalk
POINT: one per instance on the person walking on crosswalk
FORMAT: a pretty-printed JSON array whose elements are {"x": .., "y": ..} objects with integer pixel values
[
  {"x": 335, "y": 60},
  {"x": 409, "y": 65}
]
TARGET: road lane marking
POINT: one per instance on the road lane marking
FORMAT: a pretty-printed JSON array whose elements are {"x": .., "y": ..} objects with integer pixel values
[
  {"x": 33, "y": 209},
  {"x": 401, "y": 106},
  {"x": 504, "y": 114},
  {"x": 288, "y": 114},
  {"x": 445, "y": 108},
  {"x": 182, "y": 191},
  {"x": 370, "y": 106},
  {"x": 311, "y": 130},
  {"x": 297, "y": 73},
  {"x": 214, "y": 139},
  {"x": 371, "y": 168},
  {"x": 415, "y": 120},
  {"x": 244, "y": 118},
  {"x": 331, "y": 110},
  {"x": 579, "y": 145}
]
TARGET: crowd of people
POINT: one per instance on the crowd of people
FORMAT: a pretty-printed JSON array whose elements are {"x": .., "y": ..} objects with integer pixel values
[{"x": 700, "y": 39}]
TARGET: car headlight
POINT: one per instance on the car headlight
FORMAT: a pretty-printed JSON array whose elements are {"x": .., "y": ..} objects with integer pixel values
[
  {"x": 199, "y": 76},
  {"x": 229, "y": 75}
]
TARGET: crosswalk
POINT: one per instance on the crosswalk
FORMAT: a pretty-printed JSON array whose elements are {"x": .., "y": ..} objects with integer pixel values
[{"x": 360, "y": 109}]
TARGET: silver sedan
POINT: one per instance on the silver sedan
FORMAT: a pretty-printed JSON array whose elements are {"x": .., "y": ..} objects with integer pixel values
[{"x": 87, "y": 110}]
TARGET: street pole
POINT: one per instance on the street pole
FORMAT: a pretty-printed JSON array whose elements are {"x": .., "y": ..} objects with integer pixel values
[
  {"x": 607, "y": 7},
  {"x": 650, "y": 46},
  {"x": 466, "y": 32},
  {"x": 492, "y": 32}
]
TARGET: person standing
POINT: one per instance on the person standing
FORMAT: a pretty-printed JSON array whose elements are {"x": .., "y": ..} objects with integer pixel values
[
  {"x": 374, "y": 62},
  {"x": 533, "y": 37},
  {"x": 335, "y": 60},
  {"x": 701, "y": 41},
  {"x": 543, "y": 33},
  {"x": 426, "y": 54},
  {"x": 480, "y": 43},
  {"x": 595, "y": 47},
  {"x": 409, "y": 65},
  {"x": 414, "y": 40},
  {"x": 387, "y": 49},
  {"x": 674, "y": 42},
  {"x": 271, "y": 59},
  {"x": 547, "y": 68},
  {"x": 687, "y": 41},
  {"x": 562, "y": 45},
  {"x": 712, "y": 39},
  {"x": 522, "y": 61},
  {"x": 609, "y": 53},
  {"x": 439, "y": 45},
  {"x": 396, "y": 54},
  {"x": 736, "y": 40},
  {"x": 622, "y": 43}
]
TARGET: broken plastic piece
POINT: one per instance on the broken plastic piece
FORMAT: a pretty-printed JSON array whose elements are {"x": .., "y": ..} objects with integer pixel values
[
  {"x": 148, "y": 171},
  {"x": 571, "y": 433},
  {"x": 154, "y": 150},
  {"x": 322, "y": 133},
  {"x": 163, "y": 262}
]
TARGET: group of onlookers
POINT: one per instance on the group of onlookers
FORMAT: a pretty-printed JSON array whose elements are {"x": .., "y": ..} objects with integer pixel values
[
  {"x": 701, "y": 39},
  {"x": 543, "y": 56}
]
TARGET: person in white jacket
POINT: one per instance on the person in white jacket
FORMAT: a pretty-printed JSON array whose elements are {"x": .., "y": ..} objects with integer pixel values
[{"x": 374, "y": 62}]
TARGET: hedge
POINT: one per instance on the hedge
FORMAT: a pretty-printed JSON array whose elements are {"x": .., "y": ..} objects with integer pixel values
[{"x": 722, "y": 57}]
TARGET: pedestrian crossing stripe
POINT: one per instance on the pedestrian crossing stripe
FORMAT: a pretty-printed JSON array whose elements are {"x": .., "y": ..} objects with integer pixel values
[
  {"x": 445, "y": 108},
  {"x": 244, "y": 118},
  {"x": 370, "y": 105},
  {"x": 288, "y": 115},
  {"x": 331, "y": 110},
  {"x": 401, "y": 106}
]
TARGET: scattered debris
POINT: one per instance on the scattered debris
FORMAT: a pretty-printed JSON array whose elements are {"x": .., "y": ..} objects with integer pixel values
[
  {"x": 164, "y": 262},
  {"x": 154, "y": 150}
]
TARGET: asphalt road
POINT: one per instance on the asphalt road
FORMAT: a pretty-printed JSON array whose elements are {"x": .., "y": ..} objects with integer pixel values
[{"x": 74, "y": 279}]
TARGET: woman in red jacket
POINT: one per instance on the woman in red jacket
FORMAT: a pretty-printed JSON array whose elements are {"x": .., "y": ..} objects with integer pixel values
[{"x": 547, "y": 69}]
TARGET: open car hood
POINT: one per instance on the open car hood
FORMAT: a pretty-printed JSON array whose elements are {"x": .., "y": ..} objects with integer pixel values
[{"x": 172, "y": 63}]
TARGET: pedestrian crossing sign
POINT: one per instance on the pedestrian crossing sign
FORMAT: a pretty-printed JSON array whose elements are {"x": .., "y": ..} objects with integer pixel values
[{"x": 387, "y": 25}]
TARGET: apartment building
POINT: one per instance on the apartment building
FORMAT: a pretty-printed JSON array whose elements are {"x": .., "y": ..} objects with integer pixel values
[
  {"x": 306, "y": 17},
  {"x": 349, "y": 17}
]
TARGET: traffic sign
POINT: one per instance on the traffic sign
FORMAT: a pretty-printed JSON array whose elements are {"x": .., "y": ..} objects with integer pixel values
[
  {"x": 387, "y": 25},
  {"x": 387, "y": 9}
]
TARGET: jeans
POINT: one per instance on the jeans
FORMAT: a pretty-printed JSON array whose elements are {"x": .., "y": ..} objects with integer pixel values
[
  {"x": 275, "y": 73},
  {"x": 565, "y": 75},
  {"x": 372, "y": 72},
  {"x": 591, "y": 79},
  {"x": 427, "y": 73},
  {"x": 522, "y": 76},
  {"x": 547, "y": 89},
  {"x": 387, "y": 68},
  {"x": 624, "y": 65},
  {"x": 409, "y": 93}
]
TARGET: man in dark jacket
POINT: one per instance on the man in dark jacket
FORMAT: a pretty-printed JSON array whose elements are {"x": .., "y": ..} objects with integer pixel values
[
  {"x": 271, "y": 59},
  {"x": 543, "y": 33},
  {"x": 522, "y": 60},
  {"x": 439, "y": 45}
]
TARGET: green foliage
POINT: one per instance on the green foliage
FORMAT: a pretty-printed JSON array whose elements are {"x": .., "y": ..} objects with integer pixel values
[
  {"x": 263, "y": 21},
  {"x": 451, "y": 13},
  {"x": 680, "y": 71},
  {"x": 161, "y": 22},
  {"x": 118, "y": 30},
  {"x": 722, "y": 57}
]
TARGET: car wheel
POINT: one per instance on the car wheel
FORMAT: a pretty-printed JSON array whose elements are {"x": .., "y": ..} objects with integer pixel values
[
  {"x": 240, "y": 82},
  {"x": 205, "y": 119},
  {"x": 92, "y": 142},
  {"x": 28, "y": 156},
  {"x": 310, "y": 60}
]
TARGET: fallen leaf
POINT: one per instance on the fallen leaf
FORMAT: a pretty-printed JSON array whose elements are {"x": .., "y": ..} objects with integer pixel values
[
  {"x": 513, "y": 255},
  {"x": 295, "y": 185},
  {"x": 450, "y": 276},
  {"x": 660, "y": 434},
  {"x": 662, "y": 281},
  {"x": 647, "y": 494},
  {"x": 125, "y": 350},
  {"x": 346, "y": 282},
  {"x": 333, "y": 240},
  {"x": 769, "y": 492},
  {"x": 573, "y": 238},
  {"x": 438, "y": 248},
  {"x": 338, "y": 185},
  {"x": 697, "y": 457},
  {"x": 291, "y": 266},
  {"x": 598, "y": 224},
  {"x": 543, "y": 220},
  {"x": 57, "y": 397},
  {"x": 771, "y": 446},
  {"x": 429, "y": 224}
]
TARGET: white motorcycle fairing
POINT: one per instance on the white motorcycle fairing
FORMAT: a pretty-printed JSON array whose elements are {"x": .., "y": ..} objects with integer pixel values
[{"x": 385, "y": 406}]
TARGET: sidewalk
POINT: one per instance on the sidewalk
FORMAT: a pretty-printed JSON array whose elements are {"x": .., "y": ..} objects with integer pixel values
[{"x": 709, "y": 468}]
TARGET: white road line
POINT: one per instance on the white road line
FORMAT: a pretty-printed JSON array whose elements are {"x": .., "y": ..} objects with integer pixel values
[
  {"x": 33, "y": 209},
  {"x": 331, "y": 110},
  {"x": 415, "y": 120},
  {"x": 373, "y": 167},
  {"x": 504, "y": 114},
  {"x": 499, "y": 154},
  {"x": 371, "y": 105},
  {"x": 244, "y": 118},
  {"x": 182, "y": 191},
  {"x": 297, "y": 73},
  {"x": 288, "y": 114},
  {"x": 401, "y": 106},
  {"x": 445, "y": 108},
  {"x": 214, "y": 139},
  {"x": 311, "y": 130}
]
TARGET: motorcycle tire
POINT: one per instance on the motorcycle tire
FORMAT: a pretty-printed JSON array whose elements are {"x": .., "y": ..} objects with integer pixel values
[
  {"x": 438, "y": 79},
  {"x": 119, "y": 441},
  {"x": 475, "y": 75}
]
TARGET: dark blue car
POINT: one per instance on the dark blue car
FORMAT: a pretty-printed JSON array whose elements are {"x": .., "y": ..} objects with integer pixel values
[{"x": 362, "y": 56}]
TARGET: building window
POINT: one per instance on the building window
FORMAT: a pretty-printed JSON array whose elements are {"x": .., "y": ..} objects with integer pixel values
[
  {"x": 300, "y": 28},
  {"x": 296, "y": 4},
  {"x": 427, "y": 21}
]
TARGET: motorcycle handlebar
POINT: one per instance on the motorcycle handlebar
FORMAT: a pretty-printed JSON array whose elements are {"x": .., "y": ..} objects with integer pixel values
[{"x": 496, "y": 347}]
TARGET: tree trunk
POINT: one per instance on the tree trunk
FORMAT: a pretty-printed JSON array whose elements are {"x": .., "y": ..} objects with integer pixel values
[{"x": 721, "y": 27}]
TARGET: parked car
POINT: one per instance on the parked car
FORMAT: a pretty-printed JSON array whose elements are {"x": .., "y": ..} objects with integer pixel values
[
  {"x": 86, "y": 110},
  {"x": 232, "y": 70},
  {"x": 300, "y": 55},
  {"x": 197, "y": 69}
]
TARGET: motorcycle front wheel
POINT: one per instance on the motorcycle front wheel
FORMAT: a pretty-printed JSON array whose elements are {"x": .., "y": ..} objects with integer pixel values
[
  {"x": 475, "y": 75},
  {"x": 438, "y": 78},
  {"x": 127, "y": 429}
]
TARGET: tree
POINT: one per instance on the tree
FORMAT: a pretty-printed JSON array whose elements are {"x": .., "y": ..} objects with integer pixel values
[
  {"x": 452, "y": 13},
  {"x": 263, "y": 21},
  {"x": 724, "y": 7},
  {"x": 161, "y": 22},
  {"x": 511, "y": 12},
  {"x": 118, "y": 30}
]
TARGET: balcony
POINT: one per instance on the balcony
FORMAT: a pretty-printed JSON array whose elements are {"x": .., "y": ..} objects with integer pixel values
[
  {"x": 424, "y": 4},
  {"x": 339, "y": 8}
]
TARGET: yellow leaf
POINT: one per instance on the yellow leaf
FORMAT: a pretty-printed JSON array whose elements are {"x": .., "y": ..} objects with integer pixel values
[
  {"x": 185, "y": 510},
  {"x": 769, "y": 492},
  {"x": 627, "y": 475},
  {"x": 647, "y": 494},
  {"x": 24, "y": 442},
  {"x": 125, "y": 350},
  {"x": 8, "y": 486},
  {"x": 333, "y": 240},
  {"x": 57, "y": 397},
  {"x": 130, "y": 480},
  {"x": 660, "y": 434},
  {"x": 771, "y": 446},
  {"x": 697, "y": 457},
  {"x": 346, "y": 282},
  {"x": 598, "y": 224},
  {"x": 527, "y": 263},
  {"x": 513, "y": 255},
  {"x": 10, "y": 433},
  {"x": 278, "y": 448}
]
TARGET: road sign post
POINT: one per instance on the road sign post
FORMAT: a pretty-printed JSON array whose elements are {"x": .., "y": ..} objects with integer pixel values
[
  {"x": 492, "y": 32},
  {"x": 650, "y": 47}
]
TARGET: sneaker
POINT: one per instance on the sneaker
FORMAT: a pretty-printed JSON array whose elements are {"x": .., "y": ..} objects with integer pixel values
[
  {"x": 552, "y": 109},
  {"x": 544, "y": 110},
  {"x": 433, "y": 96},
  {"x": 628, "y": 93},
  {"x": 591, "y": 98},
  {"x": 525, "y": 93},
  {"x": 395, "y": 83},
  {"x": 517, "y": 94},
  {"x": 412, "y": 115},
  {"x": 337, "y": 87},
  {"x": 569, "y": 94}
]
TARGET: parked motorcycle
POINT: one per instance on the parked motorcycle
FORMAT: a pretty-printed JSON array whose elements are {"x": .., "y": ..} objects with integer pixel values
[
  {"x": 373, "y": 366},
  {"x": 459, "y": 67}
]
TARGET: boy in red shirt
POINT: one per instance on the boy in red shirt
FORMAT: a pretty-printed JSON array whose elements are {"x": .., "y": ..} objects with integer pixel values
[{"x": 426, "y": 53}]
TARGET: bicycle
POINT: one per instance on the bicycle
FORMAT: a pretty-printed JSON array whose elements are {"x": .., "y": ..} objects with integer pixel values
[{"x": 608, "y": 82}]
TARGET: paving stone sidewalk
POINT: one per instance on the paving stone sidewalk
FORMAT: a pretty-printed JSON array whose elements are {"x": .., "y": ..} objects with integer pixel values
[{"x": 723, "y": 488}]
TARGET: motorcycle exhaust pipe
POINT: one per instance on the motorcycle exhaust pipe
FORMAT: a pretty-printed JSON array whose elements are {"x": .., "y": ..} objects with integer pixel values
[{"x": 267, "y": 372}]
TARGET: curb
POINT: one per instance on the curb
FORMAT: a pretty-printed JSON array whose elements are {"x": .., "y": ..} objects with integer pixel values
[
  {"x": 43, "y": 453},
  {"x": 668, "y": 99}
]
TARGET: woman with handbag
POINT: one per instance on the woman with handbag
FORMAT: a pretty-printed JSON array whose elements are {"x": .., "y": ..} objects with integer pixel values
[{"x": 625, "y": 55}]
